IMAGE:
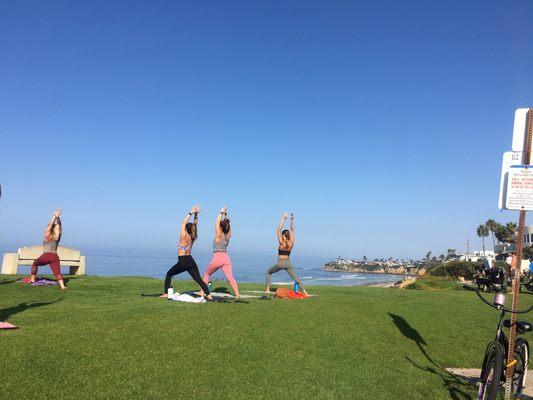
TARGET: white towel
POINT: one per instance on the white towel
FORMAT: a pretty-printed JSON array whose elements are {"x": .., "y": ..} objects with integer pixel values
[{"x": 186, "y": 298}]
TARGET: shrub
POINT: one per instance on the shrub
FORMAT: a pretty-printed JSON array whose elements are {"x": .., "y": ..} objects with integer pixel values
[
  {"x": 435, "y": 283},
  {"x": 455, "y": 269}
]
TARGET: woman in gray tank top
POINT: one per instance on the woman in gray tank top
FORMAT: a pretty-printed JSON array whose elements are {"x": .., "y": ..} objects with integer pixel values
[
  {"x": 286, "y": 243},
  {"x": 52, "y": 236},
  {"x": 220, "y": 255}
]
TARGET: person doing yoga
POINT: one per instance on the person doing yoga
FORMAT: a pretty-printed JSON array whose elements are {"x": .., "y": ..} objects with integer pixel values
[
  {"x": 52, "y": 236},
  {"x": 286, "y": 243},
  {"x": 220, "y": 247},
  {"x": 188, "y": 234}
]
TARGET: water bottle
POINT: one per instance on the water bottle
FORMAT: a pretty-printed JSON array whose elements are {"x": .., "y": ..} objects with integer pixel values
[
  {"x": 210, "y": 286},
  {"x": 170, "y": 293},
  {"x": 296, "y": 287}
]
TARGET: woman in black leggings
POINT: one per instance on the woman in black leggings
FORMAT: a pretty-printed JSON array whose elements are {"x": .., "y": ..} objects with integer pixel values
[{"x": 188, "y": 234}]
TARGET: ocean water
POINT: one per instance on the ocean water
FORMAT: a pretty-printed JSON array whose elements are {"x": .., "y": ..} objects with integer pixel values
[{"x": 246, "y": 268}]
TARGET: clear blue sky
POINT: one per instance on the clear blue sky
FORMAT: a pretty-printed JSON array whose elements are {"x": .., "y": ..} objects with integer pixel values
[{"x": 380, "y": 124}]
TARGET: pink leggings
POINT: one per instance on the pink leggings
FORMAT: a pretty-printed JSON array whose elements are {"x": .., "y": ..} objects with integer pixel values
[
  {"x": 51, "y": 259},
  {"x": 221, "y": 260}
]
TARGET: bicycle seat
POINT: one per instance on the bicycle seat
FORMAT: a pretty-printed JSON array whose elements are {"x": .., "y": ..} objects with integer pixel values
[{"x": 521, "y": 326}]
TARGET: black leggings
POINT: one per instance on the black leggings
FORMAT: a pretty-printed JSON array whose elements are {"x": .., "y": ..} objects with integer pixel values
[{"x": 186, "y": 263}]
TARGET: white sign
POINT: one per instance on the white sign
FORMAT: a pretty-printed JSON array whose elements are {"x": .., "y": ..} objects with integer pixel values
[
  {"x": 519, "y": 194},
  {"x": 519, "y": 129},
  {"x": 510, "y": 158}
]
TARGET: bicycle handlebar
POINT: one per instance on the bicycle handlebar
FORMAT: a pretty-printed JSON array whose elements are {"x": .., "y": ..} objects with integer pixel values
[{"x": 503, "y": 307}]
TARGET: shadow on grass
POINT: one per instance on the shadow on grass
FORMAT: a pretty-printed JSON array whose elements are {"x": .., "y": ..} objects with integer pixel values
[
  {"x": 6, "y": 313},
  {"x": 221, "y": 289},
  {"x": 6, "y": 282},
  {"x": 68, "y": 278},
  {"x": 457, "y": 388}
]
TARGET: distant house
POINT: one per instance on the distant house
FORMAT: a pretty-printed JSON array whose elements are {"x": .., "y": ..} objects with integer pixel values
[
  {"x": 475, "y": 256},
  {"x": 502, "y": 248}
]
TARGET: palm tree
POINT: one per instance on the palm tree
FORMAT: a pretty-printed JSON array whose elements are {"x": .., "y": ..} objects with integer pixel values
[
  {"x": 483, "y": 231},
  {"x": 492, "y": 225},
  {"x": 450, "y": 253},
  {"x": 511, "y": 228},
  {"x": 506, "y": 233}
]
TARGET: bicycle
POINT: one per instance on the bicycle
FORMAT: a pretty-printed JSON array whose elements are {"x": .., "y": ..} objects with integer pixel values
[{"x": 493, "y": 370}]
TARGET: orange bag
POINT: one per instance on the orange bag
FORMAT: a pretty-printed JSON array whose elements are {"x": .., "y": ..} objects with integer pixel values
[{"x": 284, "y": 293}]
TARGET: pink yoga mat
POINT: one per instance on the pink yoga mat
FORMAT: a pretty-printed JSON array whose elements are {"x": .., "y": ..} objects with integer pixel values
[{"x": 7, "y": 325}]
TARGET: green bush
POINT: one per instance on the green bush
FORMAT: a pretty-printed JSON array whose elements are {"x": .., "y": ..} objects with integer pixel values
[
  {"x": 435, "y": 283},
  {"x": 466, "y": 269}
]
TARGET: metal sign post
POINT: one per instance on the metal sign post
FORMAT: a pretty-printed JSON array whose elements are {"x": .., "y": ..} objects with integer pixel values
[{"x": 516, "y": 268}]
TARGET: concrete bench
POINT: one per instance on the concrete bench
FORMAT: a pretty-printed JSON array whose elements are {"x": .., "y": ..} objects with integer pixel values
[{"x": 26, "y": 255}]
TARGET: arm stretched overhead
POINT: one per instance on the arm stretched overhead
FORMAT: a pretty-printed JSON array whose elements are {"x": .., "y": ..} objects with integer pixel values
[
  {"x": 221, "y": 216},
  {"x": 194, "y": 211},
  {"x": 280, "y": 227},
  {"x": 55, "y": 219}
]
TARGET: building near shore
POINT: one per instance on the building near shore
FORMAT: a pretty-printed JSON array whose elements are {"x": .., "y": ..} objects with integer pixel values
[{"x": 476, "y": 255}]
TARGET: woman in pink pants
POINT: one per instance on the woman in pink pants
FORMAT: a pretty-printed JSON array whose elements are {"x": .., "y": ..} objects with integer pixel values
[
  {"x": 220, "y": 255},
  {"x": 52, "y": 236}
]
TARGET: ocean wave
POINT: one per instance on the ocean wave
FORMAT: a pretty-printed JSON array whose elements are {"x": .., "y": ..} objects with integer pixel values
[{"x": 338, "y": 279}]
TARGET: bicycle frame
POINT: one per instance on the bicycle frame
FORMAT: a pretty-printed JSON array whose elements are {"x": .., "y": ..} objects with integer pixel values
[
  {"x": 500, "y": 345},
  {"x": 500, "y": 335}
]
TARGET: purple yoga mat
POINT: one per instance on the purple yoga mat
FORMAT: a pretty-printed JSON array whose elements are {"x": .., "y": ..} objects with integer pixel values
[
  {"x": 42, "y": 282},
  {"x": 39, "y": 281}
]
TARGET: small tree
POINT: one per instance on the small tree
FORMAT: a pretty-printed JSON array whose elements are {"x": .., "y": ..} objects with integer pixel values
[
  {"x": 483, "y": 231},
  {"x": 450, "y": 253},
  {"x": 527, "y": 253},
  {"x": 492, "y": 225}
]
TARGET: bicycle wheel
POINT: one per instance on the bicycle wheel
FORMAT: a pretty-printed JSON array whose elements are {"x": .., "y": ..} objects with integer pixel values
[
  {"x": 521, "y": 354},
  {"x": 491, "y": 372}
]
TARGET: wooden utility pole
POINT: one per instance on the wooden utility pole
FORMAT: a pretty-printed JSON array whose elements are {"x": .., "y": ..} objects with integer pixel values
[{"x": 516, "y": 278}]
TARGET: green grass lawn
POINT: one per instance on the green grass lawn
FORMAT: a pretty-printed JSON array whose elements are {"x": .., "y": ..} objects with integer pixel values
[{"x": 102, "y": 340}]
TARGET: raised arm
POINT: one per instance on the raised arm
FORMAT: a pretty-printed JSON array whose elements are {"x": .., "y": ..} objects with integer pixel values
[
  {"x": 48, "y": 231},
  {"x": 58, "y": 222},
  {"x": 292, "y": 227},
  {"x": 186, "y": 219},
  {"x": 280, "y": 227},
  {"x": 221, "y": 215}
]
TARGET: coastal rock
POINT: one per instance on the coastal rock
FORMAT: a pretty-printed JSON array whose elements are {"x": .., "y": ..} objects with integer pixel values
[{"x": 374, "y": 267}]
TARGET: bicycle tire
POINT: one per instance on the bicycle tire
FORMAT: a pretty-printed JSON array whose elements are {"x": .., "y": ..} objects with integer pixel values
[
  {"x": 521, "y": 355},
  {"x": 491, "y": 372}
]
